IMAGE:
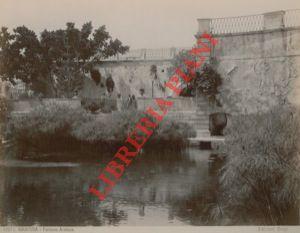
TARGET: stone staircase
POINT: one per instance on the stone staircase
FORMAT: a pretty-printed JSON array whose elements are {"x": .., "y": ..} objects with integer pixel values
[
  {"x": 195, "y": 113},
  {"x": 187, "y": 110}
]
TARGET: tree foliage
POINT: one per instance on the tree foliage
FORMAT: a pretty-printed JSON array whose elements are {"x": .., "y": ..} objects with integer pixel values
[
  {"x": 5, "y": 107},
  {"x": 55, "y": 63},
  {"x": 206, "y": 81}
]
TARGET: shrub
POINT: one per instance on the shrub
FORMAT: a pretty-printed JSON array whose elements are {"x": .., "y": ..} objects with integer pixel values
[
  {"x": 260, "y": 180},
  {"x": 112, "y": 127},
  {"x": 104, "y": 104},
  {"x": 173, "y": 131},
  {"x": 118, "y": 125},
  {"x": 58, "y": 127},
  {"x": 5, "y": 107},
  {"x": 46, "y": 124},
  {"x": 206, "y": 82}
]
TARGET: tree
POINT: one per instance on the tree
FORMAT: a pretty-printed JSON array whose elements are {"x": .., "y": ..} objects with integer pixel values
[
  {"x": 55, "y": 63},
  {"x": 73, "y": 51},
  {"x": 5, "y": 107},
  {"x": 20, "y": 57},
  {"x": 205, "y": 82},
  {"x": 5, "y": 38},
  {"x": 96, "y": 76},
  {"x": 142, "y": 91},
  {"x": 110, "y": 84},
  {"x": 153, "y": 71}
]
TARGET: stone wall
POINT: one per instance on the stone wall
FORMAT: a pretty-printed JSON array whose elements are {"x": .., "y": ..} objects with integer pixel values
[
  {"x": 257, "y": 56},
  {"x": 260, "y": 69},
  {"x": 24, "y": 106},
  {"x": 179, "y": 104},
  {"x": 131, "y": 76}
]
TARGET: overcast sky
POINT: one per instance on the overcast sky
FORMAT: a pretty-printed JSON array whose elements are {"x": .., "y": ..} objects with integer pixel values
[{"x": 137, "y": 23}]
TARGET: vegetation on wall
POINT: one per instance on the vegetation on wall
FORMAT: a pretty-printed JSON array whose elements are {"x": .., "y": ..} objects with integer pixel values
[
  {"x": 96, "y": 76},
  {"x": 153, "y": 71},
  {"x": 156, "y": 80},
  {"x": 142, "y": 91},
  {"x": 110, "y": 84},
  {"x": 206, "y": 81}
]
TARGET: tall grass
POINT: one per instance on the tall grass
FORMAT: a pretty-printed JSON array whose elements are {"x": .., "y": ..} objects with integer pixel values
[{"x": 260, "y": 179}]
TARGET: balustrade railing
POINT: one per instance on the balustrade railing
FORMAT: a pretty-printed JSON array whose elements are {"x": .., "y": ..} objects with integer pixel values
[
  {"x": 251, "y": 23},
  {"x": 292, "y": 18},
  {"x": 229, "y": 25},
  {"x": 237, "y": 24},
  {"x": 147, "y": 54}
]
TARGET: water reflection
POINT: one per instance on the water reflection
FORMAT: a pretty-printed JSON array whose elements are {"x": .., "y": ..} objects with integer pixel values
[{"x": 165, "y": 188}]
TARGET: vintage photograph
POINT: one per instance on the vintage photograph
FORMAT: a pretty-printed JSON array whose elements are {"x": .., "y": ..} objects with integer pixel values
[{"x": 149, "y": 113}]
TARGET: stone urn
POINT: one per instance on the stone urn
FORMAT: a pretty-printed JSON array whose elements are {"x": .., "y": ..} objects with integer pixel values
[{"x": 217, "y": 123}]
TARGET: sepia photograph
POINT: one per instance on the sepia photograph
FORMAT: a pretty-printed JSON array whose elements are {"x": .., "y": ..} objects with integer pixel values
[{"x": 149, "y": 113}]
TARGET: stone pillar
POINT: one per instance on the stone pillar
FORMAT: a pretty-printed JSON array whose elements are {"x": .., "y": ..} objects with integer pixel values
[
  {"x": 274, "y": 20},
  {"x": 203, "y": 26},
  {"x": 144, "y": 54},
  {"x": 172, "y": 52},
  {"x": 1, "y": 88}
]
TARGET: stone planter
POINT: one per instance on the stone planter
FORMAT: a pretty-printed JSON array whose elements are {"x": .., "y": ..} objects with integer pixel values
[{"x": 217, "y": 123}]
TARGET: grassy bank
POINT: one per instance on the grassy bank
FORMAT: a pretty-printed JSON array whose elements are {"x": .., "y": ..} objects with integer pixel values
[
  {"x": 51, "y": 127},
  {"x": 260, "y": 179}
]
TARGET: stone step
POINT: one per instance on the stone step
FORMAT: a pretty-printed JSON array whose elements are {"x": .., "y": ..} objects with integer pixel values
[
  {"x": 195, "y": 122},
  {"x": 201, "y": 104},
  {"x": 197, "y": 140},
  {"x": 199, "y": 127},
  {"x": 189, "y": 118},
  {"x": 192, "y": 111},
  {"x": 181, "y": 111},
  {"x": 198, "y": 124},
  {"x": 202, "y": 133},
  {"x": 187, "y": 113}
]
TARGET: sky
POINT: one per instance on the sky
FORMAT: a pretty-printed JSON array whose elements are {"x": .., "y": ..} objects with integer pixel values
[{"x": 137, "y": 23}]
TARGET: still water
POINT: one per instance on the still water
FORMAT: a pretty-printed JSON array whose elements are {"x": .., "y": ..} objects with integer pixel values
[{"x": 159, "y": 188}]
